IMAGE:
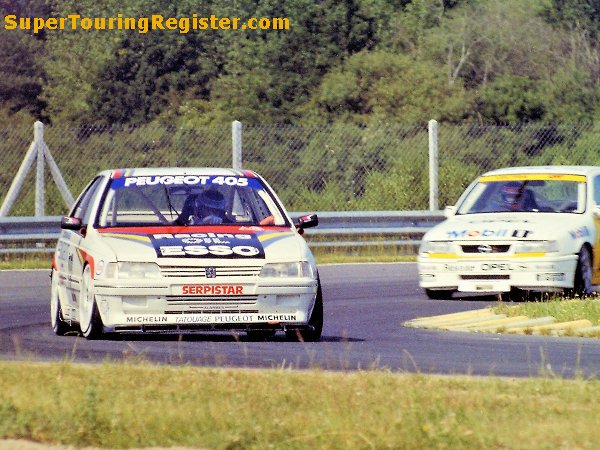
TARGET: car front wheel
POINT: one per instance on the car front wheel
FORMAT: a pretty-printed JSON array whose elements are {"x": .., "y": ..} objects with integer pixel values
[
  {"x": 312, "y": 332},
  {"x": 90, "y": 321},
  {"x": 582, "y": 284},
  {"x": 59, "y": 325},
  {"x": 439, "y": 294}
]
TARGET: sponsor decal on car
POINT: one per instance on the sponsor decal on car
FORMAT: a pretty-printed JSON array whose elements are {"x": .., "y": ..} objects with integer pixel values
[
  {"x": 212, "y": 319},
  {"x": 580, "y": 232},
  {"x": 457, "y": 267},
  {"x": 212, "y": 289},
  {"x": 487, "y": 232},
  {"x": 182, "y": 180},
  {"x": 207, "y": 245}
]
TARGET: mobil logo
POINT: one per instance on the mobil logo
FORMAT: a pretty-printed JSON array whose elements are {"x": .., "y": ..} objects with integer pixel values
[
  {"x": 489, "y": 233},
  {"x": 477, "y": 233}
]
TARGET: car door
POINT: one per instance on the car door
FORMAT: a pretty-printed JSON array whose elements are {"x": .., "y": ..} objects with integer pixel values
[
  {"x": 70, "y": 242},
  {"x": 595, "y": 213}
]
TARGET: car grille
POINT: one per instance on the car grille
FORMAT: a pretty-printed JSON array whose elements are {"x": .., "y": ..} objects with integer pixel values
[
  {"x": 226, "y": 299},
  {"x": 503, "y": 248},
  {"x": 211, "y": 304},
  {"x": 216, "y": 311},
  {"x": 200, "y": 271},
  {"x": 485, "y": 277}
]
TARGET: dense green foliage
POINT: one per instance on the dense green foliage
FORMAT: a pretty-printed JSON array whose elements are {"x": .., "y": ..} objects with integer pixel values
[
  {"x": 343, "y": 95},
  {"x": 351, "y": 61}
]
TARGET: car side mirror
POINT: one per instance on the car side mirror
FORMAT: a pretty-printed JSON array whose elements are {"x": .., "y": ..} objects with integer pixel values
[
  {"x": 449, "y": 211},
  {"x": 70, "y": 223},
  {"x": 307, "y": 221}
]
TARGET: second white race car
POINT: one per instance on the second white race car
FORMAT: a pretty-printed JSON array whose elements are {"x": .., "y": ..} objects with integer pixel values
[{"x": 518, "y": 229}]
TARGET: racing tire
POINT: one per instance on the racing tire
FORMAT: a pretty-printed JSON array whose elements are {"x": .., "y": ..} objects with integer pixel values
[
  {"x": 439, "y": 294},
  {"x": 312, "y": 333},
  {"x": 582, "y": 283},
  {"x": 90, "y": 322},
  {"x": 59, "y": 325},
  {"x": 522, "y": 295}
]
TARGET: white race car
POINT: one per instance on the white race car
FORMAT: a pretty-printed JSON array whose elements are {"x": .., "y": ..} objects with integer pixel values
[
  {"x": 172, "y": 250},
  {"x": 518, "y": 229}
]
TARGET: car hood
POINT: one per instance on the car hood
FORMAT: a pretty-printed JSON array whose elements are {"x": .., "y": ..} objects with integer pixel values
[
  {"x": 494, "y": 226},
  {"x": 203, "y": 242}
]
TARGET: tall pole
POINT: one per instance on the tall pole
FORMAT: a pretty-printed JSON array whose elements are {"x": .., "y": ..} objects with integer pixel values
[
  {"x": 433, "y": 165},
  {"x": 236, "y": 141}
]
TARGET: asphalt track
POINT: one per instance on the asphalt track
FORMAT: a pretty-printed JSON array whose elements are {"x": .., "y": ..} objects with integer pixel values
[{"x": 365, "y": 306}]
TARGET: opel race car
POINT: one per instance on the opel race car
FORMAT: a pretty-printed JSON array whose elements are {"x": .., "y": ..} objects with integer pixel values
[
  {"x": 176, "y": 250},
  {"x": 518, "y": 229}
]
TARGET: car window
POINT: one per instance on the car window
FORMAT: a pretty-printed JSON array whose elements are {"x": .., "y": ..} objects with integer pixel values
[
  {"x": 597, "y": 189},
  {"x": 189, "y": 200},
  {"x": 82, "y": 209},
  {"x": 526, "y": 193}
]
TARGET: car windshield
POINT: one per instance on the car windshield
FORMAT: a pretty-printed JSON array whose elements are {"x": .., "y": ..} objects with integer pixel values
[
  {"x": 552, "y": 193},
  {"x": 188, "y": 200}
]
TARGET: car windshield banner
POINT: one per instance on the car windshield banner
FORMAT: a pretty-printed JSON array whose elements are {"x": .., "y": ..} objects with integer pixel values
[{"x": 184, "y": 180}]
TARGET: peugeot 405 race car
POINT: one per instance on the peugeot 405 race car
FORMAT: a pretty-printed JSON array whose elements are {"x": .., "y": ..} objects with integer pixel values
[
  {"x": 518, "y": 229},
  {"x": 178, "y": 250}
]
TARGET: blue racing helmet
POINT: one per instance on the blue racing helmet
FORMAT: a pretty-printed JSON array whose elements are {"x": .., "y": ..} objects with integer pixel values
[
  {"x": 212, "y": 199},
  {"x": 512, "y": 193}
]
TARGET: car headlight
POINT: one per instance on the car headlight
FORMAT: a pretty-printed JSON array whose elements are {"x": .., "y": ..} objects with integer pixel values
[
  {"x": 536, "y": 247},
  {"x": 428, "y": 247},
  {"x": 291, "y": 269},
  {"x": 132, "y": 270}
]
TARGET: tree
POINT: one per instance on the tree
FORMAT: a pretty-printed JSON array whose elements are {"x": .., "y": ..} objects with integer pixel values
[
  {"x": 511, "y": 99},
  {"x": 383, "y": 86},
  {"x": 575, "y": 14},
  {"x": 269, "y": 75},
  {"x": 21, "y": 61}
]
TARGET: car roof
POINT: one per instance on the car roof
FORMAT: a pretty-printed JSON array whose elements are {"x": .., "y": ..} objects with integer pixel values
[
  {"x": 146, "y": 171},
  {"x": 574, "y": 170}
]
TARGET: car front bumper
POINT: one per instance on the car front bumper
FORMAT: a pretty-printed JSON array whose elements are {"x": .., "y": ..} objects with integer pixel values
[
  {"x": 152, "y": 305},
  {"x": 497, "y": 275}
]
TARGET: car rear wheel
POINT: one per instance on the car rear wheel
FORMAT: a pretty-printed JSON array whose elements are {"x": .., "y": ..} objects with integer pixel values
[
  {"x": 312, "y": 332},
  {"x": 582, "y": 284},
  {"x": 90, "y": 321},
  {"x": 59, "y": 325},
  {"x": 439, "y": 294}
]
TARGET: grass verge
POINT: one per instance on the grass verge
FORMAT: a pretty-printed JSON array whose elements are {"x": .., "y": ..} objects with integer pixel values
[
  {"x": 25, "y": 261},
  {"x": 114, "y": 405},
  {"x": 323, "y": 255},
  {"x": 562, "y": 309}
]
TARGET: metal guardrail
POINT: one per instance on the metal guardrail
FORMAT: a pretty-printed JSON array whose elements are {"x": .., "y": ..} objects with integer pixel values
[{"x": 336, "y": 229}]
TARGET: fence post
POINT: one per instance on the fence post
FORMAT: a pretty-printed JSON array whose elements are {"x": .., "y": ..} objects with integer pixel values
[
  {"x": 19, "y": 178},
  {"x": 38, "y": 149},
  {"x": 236, "y": 141},
  {"x": 40, "y": 185},
  {"x": 433, "y": 165}
]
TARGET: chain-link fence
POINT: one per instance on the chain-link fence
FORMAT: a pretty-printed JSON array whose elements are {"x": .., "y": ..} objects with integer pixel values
[{"x": 327, "y": 168}]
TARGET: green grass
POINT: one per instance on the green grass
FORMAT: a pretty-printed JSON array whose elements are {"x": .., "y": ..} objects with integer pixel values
[
  {"x": 141, "y": 405},
  {"x": 562, "y": 309},
  {"x": 331, "y": 255},
  {"x": 322, "y": 255},
  {"x": 26, "y": 261}
]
